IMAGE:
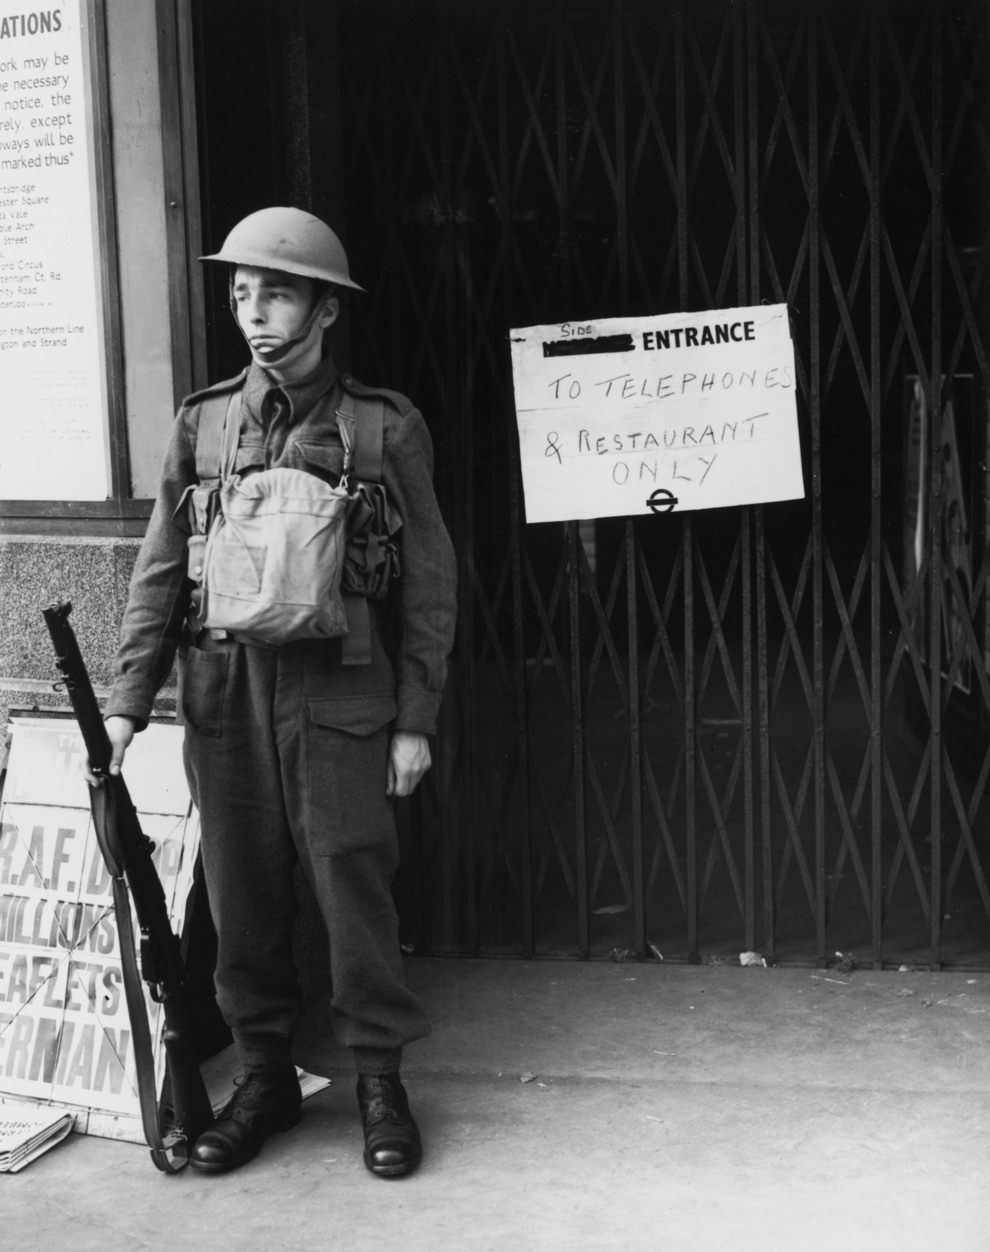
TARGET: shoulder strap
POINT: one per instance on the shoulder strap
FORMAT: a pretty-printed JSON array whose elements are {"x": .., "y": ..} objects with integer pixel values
[
  {"x": 213, "y": 451},
  {"x": 363, "y": 418},
  {"x": 213, "y": 403}
]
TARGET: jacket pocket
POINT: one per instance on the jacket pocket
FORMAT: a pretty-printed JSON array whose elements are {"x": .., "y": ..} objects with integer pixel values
[
  {"x": 324, "y": 460},
  {"x": 202, "y": 688},
  {"x": 355, "y": 715},
  {"x": 250, "y": 456}
]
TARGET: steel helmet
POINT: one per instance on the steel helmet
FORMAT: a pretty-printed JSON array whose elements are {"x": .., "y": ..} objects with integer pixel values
[{"x": 289, "y": 240}]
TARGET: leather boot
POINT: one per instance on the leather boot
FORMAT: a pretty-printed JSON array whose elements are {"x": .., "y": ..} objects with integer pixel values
[
  {"x": 264, "y": 1102},
  {"x": 392, "y": 1145}
]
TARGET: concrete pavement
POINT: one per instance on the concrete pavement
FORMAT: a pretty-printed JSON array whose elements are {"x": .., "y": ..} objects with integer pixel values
[{"x": 600, "y": 1106}]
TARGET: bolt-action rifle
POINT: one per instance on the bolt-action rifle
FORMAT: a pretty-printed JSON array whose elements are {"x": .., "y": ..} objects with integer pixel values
[{"x": 127, "y": 852}]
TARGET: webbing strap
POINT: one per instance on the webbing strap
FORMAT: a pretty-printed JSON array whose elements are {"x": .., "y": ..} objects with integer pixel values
[
  {"x": 355, "y": 646},
  {"x": 213, "y": 422},
  {"x": 369, "y": 434},
  {"x": 369, "y": 455}
]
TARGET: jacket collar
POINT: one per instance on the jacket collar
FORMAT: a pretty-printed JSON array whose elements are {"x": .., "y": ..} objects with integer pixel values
[{"x": 261, "y": 391}]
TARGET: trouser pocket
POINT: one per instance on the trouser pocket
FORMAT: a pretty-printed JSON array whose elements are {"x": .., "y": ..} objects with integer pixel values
[
  {"x": 202, "y": 689},
  {"x": 347, "y": 763}
]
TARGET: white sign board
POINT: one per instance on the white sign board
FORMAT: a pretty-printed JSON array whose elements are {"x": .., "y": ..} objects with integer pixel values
[
  {"x": 52, "y": 376},
  {"x": 626, "y": 416},
  {"x": 65, "y": 1034}
]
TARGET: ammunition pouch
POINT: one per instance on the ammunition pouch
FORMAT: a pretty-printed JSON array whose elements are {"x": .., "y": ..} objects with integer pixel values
[{"x": 371, "y": 562}]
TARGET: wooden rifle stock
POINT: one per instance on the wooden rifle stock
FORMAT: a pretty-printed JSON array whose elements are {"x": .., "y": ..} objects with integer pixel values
[{"x": 127, "y": 852}]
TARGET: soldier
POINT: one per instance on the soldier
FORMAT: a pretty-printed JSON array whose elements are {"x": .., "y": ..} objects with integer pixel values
[{"x": 294, "y": 755}]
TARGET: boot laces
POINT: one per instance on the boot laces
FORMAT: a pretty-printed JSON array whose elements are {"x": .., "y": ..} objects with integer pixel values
[
  {"x": 250, "y": 1090},
  {"x": 384, "y": 1102}
]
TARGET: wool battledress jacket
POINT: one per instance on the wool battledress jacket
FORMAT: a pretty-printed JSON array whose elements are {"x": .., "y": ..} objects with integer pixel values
[{"x": 295, "y": 426}]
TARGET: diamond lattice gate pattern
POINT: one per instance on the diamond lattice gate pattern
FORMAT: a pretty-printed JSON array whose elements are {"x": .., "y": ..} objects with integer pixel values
[{"x": 743, "y": 729}]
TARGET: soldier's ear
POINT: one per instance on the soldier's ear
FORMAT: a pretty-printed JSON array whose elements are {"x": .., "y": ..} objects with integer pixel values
[{"x": 330, "y": 311}]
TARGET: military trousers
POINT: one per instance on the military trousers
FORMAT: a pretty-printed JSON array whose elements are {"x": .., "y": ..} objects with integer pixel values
[{"x": 286, "y": 755}]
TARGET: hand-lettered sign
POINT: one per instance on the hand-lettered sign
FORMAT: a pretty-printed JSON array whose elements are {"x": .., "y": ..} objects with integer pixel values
[{"x": 625, "y": 416}]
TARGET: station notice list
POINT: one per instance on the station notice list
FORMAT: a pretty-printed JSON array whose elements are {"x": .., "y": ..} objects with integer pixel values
[{"x": 51, "y": 345}]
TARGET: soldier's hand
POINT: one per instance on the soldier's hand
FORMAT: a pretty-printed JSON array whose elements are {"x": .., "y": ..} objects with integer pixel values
[
  {"x": 120, "y": 732},
  {"x": 408, "y": 760}
]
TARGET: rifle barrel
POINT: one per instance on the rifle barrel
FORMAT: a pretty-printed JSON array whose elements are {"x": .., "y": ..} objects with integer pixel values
[{"x": 70, "y": 664}]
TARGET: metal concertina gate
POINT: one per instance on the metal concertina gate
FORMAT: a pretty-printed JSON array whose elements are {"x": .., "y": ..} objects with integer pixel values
[{"x": 693, "y": 735}]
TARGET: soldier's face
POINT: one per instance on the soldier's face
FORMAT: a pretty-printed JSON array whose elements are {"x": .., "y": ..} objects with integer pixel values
[
  {"x": 271, "y": 306},
  {"x": 272, "y": 310}
]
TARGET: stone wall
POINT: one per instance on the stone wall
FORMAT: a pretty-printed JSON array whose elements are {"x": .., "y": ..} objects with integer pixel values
[{"x": 36, "y": 571}]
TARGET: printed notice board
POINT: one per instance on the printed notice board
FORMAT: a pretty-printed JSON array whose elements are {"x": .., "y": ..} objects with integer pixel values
[
  {"x": 626, "y": 416},
  {"x": 53, "y": 436},
  {"x": 65, "y": 1035}
]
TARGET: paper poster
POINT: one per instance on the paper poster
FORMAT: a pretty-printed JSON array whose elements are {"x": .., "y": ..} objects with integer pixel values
[
  {"x": 65, "y": 1036},
  {"x": 626, "y": 416},
  {"x": 53, "y": 429}
]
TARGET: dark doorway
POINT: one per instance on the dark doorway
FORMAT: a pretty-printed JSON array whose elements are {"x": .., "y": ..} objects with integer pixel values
[{"x": 759, "y": 728}]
